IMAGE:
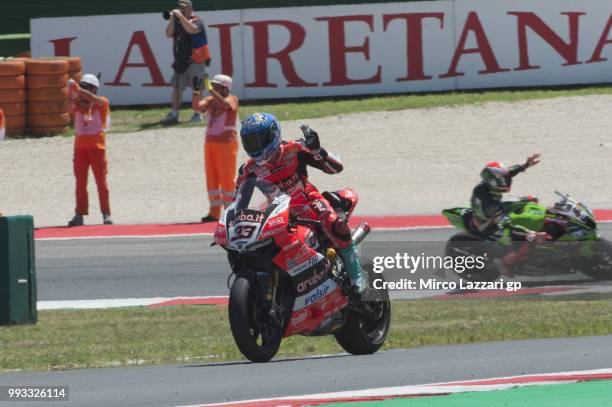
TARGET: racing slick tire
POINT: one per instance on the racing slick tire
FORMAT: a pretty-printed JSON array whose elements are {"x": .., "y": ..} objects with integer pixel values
[{"x": 246, "y": 329}]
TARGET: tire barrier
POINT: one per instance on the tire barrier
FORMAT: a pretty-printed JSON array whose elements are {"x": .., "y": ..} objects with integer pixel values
[
  {"x": 15, "y": 121},
  {"x": 47, "y": 94},
  {"x": 46, "y": 81},
  {"x": 12, "y": 82},
  {"x": 48, "y": 106},
  {"x": 48, "y": 131},
  {"x": 12, "y": 68},
  {"x": 34, "y": 94},
  {"x": 46, "y": 66},
  {"x": 16, "y": 131},
  {"x": 48, "y": 120},
  {"x": 74, "y": 64},
  {"x": 13, "y": 108},
  {"x": 13, "y": 95}
]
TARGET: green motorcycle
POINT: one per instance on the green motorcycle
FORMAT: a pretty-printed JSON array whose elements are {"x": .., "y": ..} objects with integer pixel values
[{"x": 576, "y": 244}]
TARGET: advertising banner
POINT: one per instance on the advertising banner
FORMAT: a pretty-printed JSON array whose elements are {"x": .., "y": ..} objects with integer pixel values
[{"x": 350, "y": 50}]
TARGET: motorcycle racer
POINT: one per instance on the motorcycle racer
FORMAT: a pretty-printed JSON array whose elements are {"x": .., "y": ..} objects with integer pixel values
[
  {"x": 285, "y": 163},
  {"x": 488, "y": 212}
]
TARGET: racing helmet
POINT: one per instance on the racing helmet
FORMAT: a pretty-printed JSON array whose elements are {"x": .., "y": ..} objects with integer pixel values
[
  {"x": 496, "y": 176},
  {"x": 222, "y": 80},
  {"x": 260, "y": 134}
]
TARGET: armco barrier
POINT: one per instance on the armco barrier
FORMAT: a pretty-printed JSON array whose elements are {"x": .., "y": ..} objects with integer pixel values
[{"x": 17, "y": 271}]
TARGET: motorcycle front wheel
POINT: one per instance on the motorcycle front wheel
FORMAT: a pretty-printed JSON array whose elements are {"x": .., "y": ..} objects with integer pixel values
[
  {"x": 599, "y": 266},
  {"x": 256, "y": 336}
]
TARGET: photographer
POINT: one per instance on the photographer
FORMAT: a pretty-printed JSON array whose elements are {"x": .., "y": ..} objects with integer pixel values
[{"x": 191, "y": 54}]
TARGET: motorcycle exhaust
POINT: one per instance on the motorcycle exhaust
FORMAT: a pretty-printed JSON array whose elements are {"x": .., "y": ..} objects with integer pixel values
[{"x": 361, "y": 232}]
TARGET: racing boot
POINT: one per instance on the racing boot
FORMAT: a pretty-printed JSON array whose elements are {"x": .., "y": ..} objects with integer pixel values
[{"x": 353, "y": 268}]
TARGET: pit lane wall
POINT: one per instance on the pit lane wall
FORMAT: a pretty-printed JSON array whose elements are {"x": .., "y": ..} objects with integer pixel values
[{"x": 299, "y": 52}]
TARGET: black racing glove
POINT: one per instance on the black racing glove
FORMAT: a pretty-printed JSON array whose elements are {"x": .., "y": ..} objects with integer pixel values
[{"x": 312, "y": 141}]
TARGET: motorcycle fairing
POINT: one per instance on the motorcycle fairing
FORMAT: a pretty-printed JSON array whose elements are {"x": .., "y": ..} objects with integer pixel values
[{"x": 312, "y": 308}]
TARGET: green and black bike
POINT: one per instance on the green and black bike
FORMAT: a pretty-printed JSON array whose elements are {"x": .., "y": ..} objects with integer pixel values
[{"x": 576, "y": 244}]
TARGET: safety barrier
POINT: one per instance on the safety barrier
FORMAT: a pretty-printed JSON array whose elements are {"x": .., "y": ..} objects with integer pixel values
[
  {"x": 34, "y": 94},
  {"x": 13, "y": 95}
]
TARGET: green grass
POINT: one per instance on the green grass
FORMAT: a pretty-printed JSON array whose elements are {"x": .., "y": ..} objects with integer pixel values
[
  {"x": 199, "y": 334},
  {"x": 130, "y": 119},
  {"x": 134, "y": 119}
]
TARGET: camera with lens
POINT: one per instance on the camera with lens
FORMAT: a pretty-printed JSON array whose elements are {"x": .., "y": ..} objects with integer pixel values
[{"x": 166, "y": 15}]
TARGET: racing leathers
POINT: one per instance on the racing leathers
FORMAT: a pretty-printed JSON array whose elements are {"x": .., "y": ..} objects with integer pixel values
[
  {"x": 488, "y": 211},
  {"x": 287, "y": 169},
  {"x": 489, "y": 216}
]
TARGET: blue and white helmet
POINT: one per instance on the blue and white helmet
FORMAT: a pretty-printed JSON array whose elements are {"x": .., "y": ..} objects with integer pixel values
[{"x": 261, "y": 136}]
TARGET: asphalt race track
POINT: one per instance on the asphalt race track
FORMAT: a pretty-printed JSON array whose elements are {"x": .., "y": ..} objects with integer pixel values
[
  {"x": 196, "y": 384},
  {"x": 187, "y": 266},
  {"x": 160, "y": 267}
]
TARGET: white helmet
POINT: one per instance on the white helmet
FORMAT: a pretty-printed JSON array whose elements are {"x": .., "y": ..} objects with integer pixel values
[
  {"x": 223, "y": 80},
  {"x": 90, "y": 80}
]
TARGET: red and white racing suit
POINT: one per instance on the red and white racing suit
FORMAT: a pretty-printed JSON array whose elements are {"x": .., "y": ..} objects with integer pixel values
[{"x": 288, "y": 171}]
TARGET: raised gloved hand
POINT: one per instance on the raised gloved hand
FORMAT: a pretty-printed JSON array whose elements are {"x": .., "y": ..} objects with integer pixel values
[
  {"x": 532, "y": 160},
  {"x": 311, "y": 137},
  {"x": 537, "y": 237}
]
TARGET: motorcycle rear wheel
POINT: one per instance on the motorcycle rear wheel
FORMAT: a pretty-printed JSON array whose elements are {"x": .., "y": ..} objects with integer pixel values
[
  {"x": 255, "y": 341},
  {"x": 463, "y": 244},
  {"x": 362, "y": 336}
]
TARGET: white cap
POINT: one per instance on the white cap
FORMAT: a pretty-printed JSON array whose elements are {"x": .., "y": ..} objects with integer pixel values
[
  {"x": 90, "y": 79},
  {"x": 223, "y": 80}
]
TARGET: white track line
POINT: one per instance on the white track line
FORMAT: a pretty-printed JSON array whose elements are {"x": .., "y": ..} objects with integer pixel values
[
  {"x": 380, "y": 229},
  {"x": 425, "y": 389},
  {"x": 124, "y": 237},
  {"x": 115, "y": 302}
]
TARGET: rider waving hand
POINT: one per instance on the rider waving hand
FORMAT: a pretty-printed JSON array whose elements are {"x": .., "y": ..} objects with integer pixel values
[
  {"x": 487, "y": 207},
  {"x": 285, "y": 163}
]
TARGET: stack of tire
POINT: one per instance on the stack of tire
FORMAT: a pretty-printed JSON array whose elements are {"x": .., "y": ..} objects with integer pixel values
[
  {"x": 74, "y": 68},
  {"x": 47, "y": 94},
  {"x": 13, "y": 95}
]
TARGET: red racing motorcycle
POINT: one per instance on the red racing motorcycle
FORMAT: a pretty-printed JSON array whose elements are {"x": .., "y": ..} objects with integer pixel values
[{"x": 288, "y": 279}]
